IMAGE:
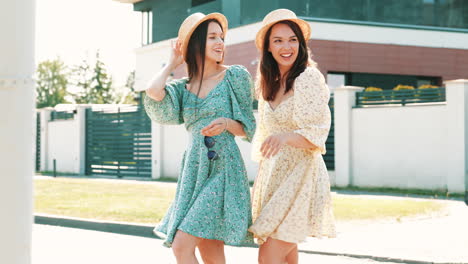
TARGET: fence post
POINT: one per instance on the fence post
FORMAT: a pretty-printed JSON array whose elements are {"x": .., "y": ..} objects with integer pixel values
[
  {"x": 45, "y": 118},
  {"x": 457, "y": 128},
  {"x": 81, "y": 124},
  {"x": 345, "y": 99},
  {"x": 157, "y": 137}
]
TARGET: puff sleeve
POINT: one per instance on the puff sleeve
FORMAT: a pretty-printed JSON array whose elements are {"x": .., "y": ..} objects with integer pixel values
[
  {"x": 241, "y": 97},
  {"x": 311, "y": 110},
  {"x": 260, "y": 134},
  {"x": 169, "y": 110}
]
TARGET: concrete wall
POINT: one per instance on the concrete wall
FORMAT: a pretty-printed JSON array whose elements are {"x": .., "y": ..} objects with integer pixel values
[
  {"x": 421, "y": 146},
  {"x": 63, "y": 145},
  {"x": 401, "y": 147},
  {"x": 64, "y": 141}
]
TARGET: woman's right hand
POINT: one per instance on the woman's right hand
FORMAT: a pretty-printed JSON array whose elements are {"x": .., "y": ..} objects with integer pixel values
[
  {"x": 176, "y": 58},
  {"x": 155, "y": 88}
]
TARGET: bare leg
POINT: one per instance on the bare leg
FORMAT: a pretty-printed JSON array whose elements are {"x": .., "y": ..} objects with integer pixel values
[
  {"x": 275, "y": 251},
  {"x": 184, "y": 248},
  {"x": 212, "y": 251},
  {"x": 293, "y": 256}
]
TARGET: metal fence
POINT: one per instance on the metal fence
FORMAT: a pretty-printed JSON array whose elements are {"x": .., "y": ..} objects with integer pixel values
[
  {"x": 38, "y": 141},
  {"x": 118, "y": 142},
  {"x": 62, "y": 115},
  {"x": 401, "y": 97},
  {"x": 329, "y": 157}
]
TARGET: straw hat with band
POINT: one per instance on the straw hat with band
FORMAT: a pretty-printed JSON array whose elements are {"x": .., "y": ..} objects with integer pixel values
[
  {"x": 192, "y": 22},
  {"x": 276, "y": 16}
]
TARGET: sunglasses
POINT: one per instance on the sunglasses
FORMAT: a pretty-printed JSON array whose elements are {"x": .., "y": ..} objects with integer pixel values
[{"x": 209, "y": 143}]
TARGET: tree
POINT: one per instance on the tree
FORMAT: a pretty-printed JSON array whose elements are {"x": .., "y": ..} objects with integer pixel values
[
  {"x": 82, "y": 79},
  {"x": 130, "y": 84},
  {"x": 52, "y": 81},
  {"x": 129, "y": 96},
  {"x": 94, "y": 84}
]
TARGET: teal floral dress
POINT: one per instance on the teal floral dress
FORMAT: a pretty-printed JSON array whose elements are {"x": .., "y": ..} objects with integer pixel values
[{"x": 213, "y": 198}]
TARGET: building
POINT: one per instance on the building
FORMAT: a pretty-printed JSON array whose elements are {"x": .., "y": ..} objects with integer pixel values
[{"x": 355, "y": 42}]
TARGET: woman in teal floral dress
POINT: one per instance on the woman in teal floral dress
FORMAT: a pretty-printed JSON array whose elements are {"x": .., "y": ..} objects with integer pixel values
[{"x": 212, "y": 202}]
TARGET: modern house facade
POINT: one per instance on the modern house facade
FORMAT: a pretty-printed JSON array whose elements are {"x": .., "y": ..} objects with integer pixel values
[{"x": 355, "y": 42}]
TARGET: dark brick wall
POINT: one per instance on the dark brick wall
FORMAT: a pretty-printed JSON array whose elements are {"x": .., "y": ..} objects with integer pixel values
[{"x": 340, "y": 56}]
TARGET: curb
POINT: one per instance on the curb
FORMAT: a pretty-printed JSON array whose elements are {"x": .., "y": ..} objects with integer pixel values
[
  {"x": 147, "y": 231},
  {"x": 96, "y": 225}
]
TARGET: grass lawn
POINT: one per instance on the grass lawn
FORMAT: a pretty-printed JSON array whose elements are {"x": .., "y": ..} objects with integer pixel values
[
  {"x": 147, "y": 202},
  {"x": 354, "y": 208}
]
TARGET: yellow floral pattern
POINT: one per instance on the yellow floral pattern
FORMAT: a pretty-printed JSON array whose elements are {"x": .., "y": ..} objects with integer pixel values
[{"x": 291, "y": 197}]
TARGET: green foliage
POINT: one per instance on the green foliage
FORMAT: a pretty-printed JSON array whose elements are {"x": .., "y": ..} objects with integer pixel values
[
  {"x": 401, "y": 87},
  {"x": 373, "y": 89},
  {"x": 129, "y": 96},
  {"x": 94, "y": 83},
  {"x": 428, "y": 86},
  {"x": 130, "y": 84},
  {"x": 52, "y": 81}
]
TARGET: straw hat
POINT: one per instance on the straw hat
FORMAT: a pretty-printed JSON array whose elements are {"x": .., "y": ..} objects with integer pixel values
[
  {"x": 191, "y": 23},
  {"x": 276, "y": 16}
]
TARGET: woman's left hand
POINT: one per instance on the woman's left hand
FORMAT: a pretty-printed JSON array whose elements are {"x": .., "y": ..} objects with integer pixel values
[
  {"x": 215, "y": 128},
  {"x": 273, "y": 144}
]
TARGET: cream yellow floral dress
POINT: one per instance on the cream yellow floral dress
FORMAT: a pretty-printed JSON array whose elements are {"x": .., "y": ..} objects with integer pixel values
[{"x": 291, "y": 198}]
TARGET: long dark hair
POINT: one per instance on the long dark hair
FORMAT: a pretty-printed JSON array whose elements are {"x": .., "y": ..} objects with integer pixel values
[
  {"x": 270, "y": 77},
  {"x": 196, "y": 52}
]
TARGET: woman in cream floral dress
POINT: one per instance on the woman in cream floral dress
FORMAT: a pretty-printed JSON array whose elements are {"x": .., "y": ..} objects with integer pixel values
[{"x": 291, "y": 196}]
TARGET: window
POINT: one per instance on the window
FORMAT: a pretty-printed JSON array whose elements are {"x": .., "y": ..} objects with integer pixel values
[
  {"x": 389, "y": 81},
  {"x": 438, "y": 13},
  {"x": 146, "y": 27},
  {"x": 200, "y": 2}
]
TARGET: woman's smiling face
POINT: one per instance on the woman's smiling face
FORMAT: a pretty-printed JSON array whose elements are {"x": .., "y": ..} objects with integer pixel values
[
  {"x": 284, "y": 46},
  {"x": 214, "y": 50}
]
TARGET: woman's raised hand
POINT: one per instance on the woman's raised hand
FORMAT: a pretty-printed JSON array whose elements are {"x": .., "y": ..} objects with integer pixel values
[{"x": 176, "y": 58}]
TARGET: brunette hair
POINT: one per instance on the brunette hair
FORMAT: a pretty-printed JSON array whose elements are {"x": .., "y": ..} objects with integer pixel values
[
  {"x": 270, "y": 79},
  {"x": 196, "y": 52}
]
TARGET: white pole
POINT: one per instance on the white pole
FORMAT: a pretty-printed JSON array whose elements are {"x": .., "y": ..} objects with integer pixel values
[{"x": 16, "y": 129}]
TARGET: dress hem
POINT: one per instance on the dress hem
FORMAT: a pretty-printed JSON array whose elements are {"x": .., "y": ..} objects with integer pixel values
[
  {"x": 168, "y": 244},
  {"x": 262, "y": 239}
]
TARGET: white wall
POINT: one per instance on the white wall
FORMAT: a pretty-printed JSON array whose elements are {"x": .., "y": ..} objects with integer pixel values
[
  {"x": 63, "y": 145},
  {"x": 365, "y": 34},
  {"x": 149, "y": 60},
  {"x": 401, "y": 147},
  {"x": 174, "y": 142},
  {"x": 251, "y": 166}
]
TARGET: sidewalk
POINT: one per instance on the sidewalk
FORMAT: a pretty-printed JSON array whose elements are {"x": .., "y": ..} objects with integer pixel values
[
  {"x": 437, "y": 239},
  {"x": 59, "y": 245}
]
